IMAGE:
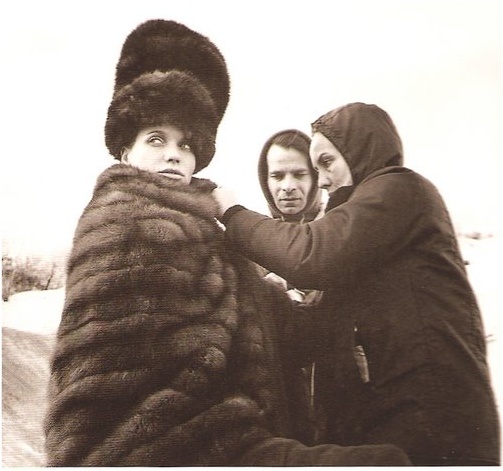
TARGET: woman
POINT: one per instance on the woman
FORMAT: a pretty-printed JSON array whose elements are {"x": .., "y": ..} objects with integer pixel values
[
  {"x": 406, "y": 363},
  {"x": 168, "y": 352}
]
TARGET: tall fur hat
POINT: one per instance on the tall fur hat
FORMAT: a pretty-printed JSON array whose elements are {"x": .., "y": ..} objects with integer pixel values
[{"x": 168, "y": 73}]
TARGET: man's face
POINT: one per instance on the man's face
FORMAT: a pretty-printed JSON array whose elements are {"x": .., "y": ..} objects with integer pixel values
[{"x": 289, "y": 178}]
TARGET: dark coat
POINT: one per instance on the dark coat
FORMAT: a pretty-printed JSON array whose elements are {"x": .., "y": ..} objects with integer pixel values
[
  {"x": 168, "y": 352},
  {"x": 386, "y": 255}
]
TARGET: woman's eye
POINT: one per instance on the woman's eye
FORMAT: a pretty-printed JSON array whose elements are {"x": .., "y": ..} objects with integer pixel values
[
  {"x": 155, "y": 140},
  {"x": 185, "y": 146}
]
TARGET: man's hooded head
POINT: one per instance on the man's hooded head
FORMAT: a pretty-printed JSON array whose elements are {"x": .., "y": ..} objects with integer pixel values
[{"x": 290, "y": 139}]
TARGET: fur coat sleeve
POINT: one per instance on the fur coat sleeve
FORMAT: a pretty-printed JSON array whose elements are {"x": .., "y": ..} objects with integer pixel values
[{"x": 168, "y": 350}]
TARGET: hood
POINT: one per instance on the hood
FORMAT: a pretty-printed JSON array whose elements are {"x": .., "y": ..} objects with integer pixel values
[
  {"x": 314, "y": 199},
  {"x": 365, "y": 135}
]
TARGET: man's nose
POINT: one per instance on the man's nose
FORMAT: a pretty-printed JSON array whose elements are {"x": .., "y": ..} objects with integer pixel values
[{"x": 288, "y": 184}]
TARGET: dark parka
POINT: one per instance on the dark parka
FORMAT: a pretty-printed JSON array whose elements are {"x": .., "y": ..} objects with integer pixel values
[
  {"x": 395, "y": 284},
  {"x": 171, "y": 349}
]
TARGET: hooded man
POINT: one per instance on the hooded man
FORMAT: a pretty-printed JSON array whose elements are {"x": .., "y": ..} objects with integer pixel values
[
  {"x": 289, "y": 184},
  {"x": 406, "y": 363}
]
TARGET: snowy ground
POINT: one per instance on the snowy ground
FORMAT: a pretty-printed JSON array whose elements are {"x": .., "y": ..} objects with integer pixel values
[
  {"x": 34, "y": 311},
  {"x": 38, "y": 312}
]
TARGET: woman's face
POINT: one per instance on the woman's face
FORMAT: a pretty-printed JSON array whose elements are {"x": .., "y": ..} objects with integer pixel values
[
  {"x": 333, "y": 170},
  {"x": 164, "y": 150}
]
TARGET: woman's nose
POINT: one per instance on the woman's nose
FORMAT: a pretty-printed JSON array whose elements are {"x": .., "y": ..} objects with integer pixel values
[
  {"x": 173, "y": 159},
  {"x": 172, "y": 154}
]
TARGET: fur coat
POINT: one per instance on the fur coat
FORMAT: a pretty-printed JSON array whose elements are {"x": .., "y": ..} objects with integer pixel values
[
  {"x": 172, "y": 350},
  {"x": 167, "y": 349}
]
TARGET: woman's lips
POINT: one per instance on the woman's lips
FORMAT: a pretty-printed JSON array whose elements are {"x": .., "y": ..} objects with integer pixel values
[{"x": 171, "y": 173}]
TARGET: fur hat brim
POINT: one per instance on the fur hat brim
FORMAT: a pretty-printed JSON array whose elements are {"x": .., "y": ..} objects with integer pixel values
[{"x": 172, "y": 97}]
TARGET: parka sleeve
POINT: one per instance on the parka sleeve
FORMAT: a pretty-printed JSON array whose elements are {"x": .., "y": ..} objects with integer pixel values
[{"x": 351, "y": 241}]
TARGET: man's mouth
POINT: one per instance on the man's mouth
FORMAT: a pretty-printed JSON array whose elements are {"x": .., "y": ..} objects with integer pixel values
[{"x": 289, "y": 201}]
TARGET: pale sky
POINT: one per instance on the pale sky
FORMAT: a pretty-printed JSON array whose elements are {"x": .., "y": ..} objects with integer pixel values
[{"x": 434, "y": 65}]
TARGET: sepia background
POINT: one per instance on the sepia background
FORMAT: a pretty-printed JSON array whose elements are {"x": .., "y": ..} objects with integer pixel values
[{"x": 434, "y": 65}]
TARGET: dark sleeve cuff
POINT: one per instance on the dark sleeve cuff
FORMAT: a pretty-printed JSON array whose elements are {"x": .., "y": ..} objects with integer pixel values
[{"x": 227, "y": 216}]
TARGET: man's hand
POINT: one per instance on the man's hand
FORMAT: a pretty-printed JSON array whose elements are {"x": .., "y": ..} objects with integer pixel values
[{"x": 225, "y": 198}]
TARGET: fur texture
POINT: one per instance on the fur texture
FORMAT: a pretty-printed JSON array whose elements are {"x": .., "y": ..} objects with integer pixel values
[
  {"x": 168, "y": 73},
  {"x": 167, "y": 45},
  {"x": 168, "y": 350}
]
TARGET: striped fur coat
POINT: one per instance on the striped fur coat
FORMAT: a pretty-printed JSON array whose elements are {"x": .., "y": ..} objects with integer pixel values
[{"x": 168, "y": 351}]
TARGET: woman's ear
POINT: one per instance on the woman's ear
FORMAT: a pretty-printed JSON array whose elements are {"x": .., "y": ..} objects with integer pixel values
[{"x": 124, "y": 155}]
